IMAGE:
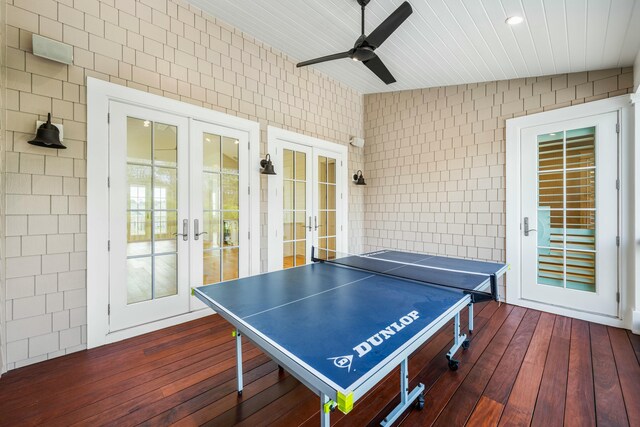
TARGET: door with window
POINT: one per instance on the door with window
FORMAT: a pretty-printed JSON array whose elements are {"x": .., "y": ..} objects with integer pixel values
[
  {"x": 219, "y": 205},
  {"x": 569, "y": 200},
  {"x": 179, "y": 212},
  {"x": 308, "y": 193},
  {"x": 149, "y": 216},
  {"x": 326, "y": 203}
]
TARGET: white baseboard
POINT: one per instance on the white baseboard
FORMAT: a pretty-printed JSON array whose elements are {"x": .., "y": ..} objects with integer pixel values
[
  {"x": 154, "y": 326},
  {"x": 589, "y": 317},
  {"x": 635, "y": 322}
]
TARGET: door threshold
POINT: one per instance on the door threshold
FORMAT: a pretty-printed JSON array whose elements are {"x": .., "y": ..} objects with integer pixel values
[{"x": 569, "y": 312}]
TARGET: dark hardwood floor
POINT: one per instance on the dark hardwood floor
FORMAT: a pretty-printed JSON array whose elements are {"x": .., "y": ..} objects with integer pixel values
[{"x": 524, "y": 367}]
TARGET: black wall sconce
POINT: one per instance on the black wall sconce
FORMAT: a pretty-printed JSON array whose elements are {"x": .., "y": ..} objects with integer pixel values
[
  {"x": 358, "y": 178},
  {"x": 48, "y": 136},
  {"x": 267, "y": 166}
]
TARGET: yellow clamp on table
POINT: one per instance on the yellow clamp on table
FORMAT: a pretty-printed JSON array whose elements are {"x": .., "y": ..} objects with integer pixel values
[
  {"x": 234, "y": 333},
  {"x": 329, "y": 406},
  {"x": 193, "y": 291},
  {"x": 345, "y": 402}
]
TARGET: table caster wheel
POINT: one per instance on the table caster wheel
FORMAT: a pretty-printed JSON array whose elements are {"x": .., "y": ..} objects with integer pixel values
[
  {"x": 453, "y": 364},
  {"x": 420, "y": 401},
  {"x": 465, "y": 344}
]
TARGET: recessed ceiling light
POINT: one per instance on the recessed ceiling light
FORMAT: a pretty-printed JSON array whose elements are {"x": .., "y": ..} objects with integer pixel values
[{"x": 514, "y": 20}]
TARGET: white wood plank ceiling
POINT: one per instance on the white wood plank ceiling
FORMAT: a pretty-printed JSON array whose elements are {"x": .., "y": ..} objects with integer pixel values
[{"x": 445, "y": 42}]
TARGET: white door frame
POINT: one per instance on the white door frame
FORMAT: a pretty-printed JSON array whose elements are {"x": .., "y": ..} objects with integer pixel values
[
  {"x": 635, "y": 255},
  {"x": 274, "y": 221},
  {"x": 620, "y": 104},
  {"x": 124, "y": 315},
  {"x": 99, "y": 94}
]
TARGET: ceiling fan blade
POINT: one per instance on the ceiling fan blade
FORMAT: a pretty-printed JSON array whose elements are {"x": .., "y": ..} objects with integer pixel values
[
  {"x": 375, "y": 64},
  {"x": 325, "y": 58},
  {"x": 389, "y": 25}
]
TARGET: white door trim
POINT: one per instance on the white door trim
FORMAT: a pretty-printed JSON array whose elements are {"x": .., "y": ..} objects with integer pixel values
[
  {"x": 621, "y": 104},
  {"x": 635, "y": 256},
  {"x": 99, "y": 94},
  {"x": 274, "y": 218}
]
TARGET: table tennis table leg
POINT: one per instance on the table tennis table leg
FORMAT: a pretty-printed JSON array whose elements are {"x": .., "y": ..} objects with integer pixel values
[
  {"x": 406, "y": 399},
  {"x": 470, "y": 318},
  {"x": 239, "y": 361},
  {"x": 459, "y": 340},
  {"x": 325, "y": 415}
]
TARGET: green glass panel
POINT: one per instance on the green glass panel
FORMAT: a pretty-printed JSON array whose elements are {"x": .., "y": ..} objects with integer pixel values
[
  {"x": 230, "y": 154},
  {"x": 211, "y": 152},
  {"x": 165, "y": 145},
  {"x": 165, "y": 275},
  {"x": 138, "y": 140},
  {"x": 287, "y": 164},
  {"x": 139, "y": 285}
]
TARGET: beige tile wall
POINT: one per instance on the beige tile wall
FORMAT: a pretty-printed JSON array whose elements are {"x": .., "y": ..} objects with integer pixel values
[
  {"x": 161, "y": 46},
  {"x": 435, "y": 159}
]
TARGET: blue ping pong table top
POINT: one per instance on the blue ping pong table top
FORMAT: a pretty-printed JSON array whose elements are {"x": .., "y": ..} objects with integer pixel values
[{"x": 328, "y": 317}]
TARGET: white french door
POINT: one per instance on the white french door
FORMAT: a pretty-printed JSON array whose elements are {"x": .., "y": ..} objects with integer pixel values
[
  {"x": 149, "y": 216},
  {"x": 327, "y": 200},
  {"x": 220, "y": 209},
  {"x": 178, "y": 212},
  {"x": 307, "y": 199},
  {"x": 569, "y": 205}
]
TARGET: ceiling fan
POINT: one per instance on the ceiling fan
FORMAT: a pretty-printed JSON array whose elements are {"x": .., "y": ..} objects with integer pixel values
[{"x": 363, "y": 49}]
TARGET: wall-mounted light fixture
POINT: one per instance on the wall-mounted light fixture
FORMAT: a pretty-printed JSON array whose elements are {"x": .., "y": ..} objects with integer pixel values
[
  {"x": 267, "y": 166},
  {"x": 358, "y": 178},
  {"x": 47, "y": 135}
]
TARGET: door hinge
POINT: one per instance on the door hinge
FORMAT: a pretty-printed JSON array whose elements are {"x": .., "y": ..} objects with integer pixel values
[
  {"x": 108, "y": 182},
  {"x": 617, "y": 240},
  {"x": 617, "y": 184},
  {"x": 108, "y": 117},
  {"x": 617, "y": 127},
  {"x": 249, "y": 190},
  {"x": 249, "y": 235},
  {"x": 108, "y": 245},
  {"x": 108, "y": 309},
  {"x": 617, "y": 296}
]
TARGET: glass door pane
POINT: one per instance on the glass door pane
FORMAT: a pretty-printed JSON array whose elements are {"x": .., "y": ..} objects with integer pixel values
[
  {"x": 326, "y": 218},
  {"x": 294, "y": 208},
  {"x": 152, "y": 213},
  {"x": 220, "y": 208},
  {"x": 567, "y": 209}
]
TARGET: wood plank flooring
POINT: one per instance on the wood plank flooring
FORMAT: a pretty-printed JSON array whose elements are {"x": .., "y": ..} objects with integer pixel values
[{"x": 524, "y": 367}]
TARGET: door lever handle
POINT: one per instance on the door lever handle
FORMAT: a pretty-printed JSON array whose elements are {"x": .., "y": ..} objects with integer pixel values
[
  {"x": 527, "y": 230},
  {"x": 309, "y": 227},
  {"x": 196, "y": 233},
  {"x": 185, "y": 230}
]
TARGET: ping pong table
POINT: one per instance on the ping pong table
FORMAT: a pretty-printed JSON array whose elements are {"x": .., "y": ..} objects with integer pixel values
[{"x": 341, "y": 325}]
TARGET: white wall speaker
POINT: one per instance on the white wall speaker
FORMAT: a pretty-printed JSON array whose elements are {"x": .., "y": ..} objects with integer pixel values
[
  {"x": 51, "y": 49},
  {"x": 356, "y": 142}
]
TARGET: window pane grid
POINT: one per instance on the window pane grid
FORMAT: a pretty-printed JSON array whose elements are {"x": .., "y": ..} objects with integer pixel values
[
  {"x": 294, "y": 208},
  {"x": 221, "y": 213},
  {"x": 152, "y": 210},
  {"x": 566, "y": 209}
]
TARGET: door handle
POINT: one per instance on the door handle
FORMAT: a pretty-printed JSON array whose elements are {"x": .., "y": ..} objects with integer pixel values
[
  {"x": 196, "y": 233},
  {"x": 185, "y": 230},
  {"x": 309, "y": 224},
  {"x": 316, "y": 223},
  {"x": 526, "y": 226}
]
